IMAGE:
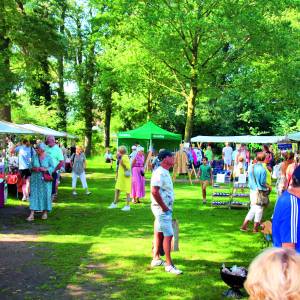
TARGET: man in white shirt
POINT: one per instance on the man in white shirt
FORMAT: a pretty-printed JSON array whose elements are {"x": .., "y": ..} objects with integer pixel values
[
  {"x": 162, "y": 199},
  {"x": 227, "y": 156},
  {"x": 133, "y": 154}
]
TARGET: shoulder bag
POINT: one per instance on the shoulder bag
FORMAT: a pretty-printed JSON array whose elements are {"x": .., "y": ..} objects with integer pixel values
[
  {"x": 262, "y": 196},
  {"x": 46, "y": 175}
]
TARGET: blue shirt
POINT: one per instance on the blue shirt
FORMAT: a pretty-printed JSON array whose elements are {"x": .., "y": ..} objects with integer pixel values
[
  {"x": 25, "y": 155},
  {"x": 285, "y": 225},
  {"x": 259, "y": 183}
]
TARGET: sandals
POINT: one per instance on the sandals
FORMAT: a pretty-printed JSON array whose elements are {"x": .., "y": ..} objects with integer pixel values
[
  {"x": 30, "y": 219},
  {"x": 44, "y": 216}
]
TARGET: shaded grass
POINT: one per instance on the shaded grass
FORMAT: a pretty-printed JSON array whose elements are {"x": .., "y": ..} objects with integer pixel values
[{"x": 109, "y": 251}]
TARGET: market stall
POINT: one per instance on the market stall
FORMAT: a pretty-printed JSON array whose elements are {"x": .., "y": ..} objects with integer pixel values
[{"x": 150, "y": 136}]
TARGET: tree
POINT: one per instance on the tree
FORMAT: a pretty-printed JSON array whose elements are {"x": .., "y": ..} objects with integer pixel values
[{"x": 200, "y": 42}]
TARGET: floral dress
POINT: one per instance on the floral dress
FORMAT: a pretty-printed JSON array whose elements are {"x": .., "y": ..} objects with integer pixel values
[{"x": 40, "y": 190}]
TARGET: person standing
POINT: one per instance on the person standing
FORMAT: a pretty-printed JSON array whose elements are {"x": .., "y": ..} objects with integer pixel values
[
  {"x": 162, "y": 199},
  {"x": 25, "y": 155},
  {"x": 57, "y": 156},
  {"x": 227, "y": 156},
  {"x": 40, "y": 189},
  {"x": 257, "y": 182},
  {"x": 209, "y": 154},
  {"x": 138, "y": 176},
  {"x": 286, "y": 217},
  {"x": 78, "y": 164},
  {"x": 123, "y": 183}
]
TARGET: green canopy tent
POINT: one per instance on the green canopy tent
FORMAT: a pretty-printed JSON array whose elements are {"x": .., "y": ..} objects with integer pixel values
[{"x": 150, "y": 136}]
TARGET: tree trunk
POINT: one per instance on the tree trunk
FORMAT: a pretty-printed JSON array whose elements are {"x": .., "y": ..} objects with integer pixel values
[
  {"x": 108, "y": 112},
  {"x": 61, "y": 100},
  {"x": 191, "y": 99},
  {"x": 149, "y": 105},
  {"x": 5, "y": 112},
  {"x": 88, "y": 134}
]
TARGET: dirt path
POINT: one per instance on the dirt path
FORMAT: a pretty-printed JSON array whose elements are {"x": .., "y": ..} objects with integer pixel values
[{"x": 22, "y": 275}]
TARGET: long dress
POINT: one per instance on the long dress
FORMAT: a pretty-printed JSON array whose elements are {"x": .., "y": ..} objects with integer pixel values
[
  {"x": 40, "y": 190},
  {"x": 123, "y": 182},
  {"x": 138, "y": 181}
]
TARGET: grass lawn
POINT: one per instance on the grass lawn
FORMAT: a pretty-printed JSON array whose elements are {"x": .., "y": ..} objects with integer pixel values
[{"x": 109, "y": 251}]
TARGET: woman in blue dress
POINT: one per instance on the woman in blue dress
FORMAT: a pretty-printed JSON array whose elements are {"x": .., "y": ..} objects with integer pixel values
[{"x": 40, "y": 190}]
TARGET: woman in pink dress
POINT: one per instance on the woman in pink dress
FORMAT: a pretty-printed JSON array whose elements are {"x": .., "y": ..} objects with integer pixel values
[{"x": 138, "y": 179}]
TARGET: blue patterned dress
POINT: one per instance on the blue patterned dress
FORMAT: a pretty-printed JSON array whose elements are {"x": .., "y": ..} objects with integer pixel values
[{"x": 40, "y": 190}]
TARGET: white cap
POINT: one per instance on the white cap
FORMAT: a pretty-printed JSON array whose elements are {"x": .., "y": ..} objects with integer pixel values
[
  {"x": 139, "y": 148},
  {"x": 133, "y": 147}
]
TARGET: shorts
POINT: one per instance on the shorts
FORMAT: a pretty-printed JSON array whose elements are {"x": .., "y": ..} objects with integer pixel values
[
  {"x": 163, "y": 223},
  {"x": 204, "y": 183},
  {"x": 227, "y": 161},
  {"x": 25, "y": 173}
]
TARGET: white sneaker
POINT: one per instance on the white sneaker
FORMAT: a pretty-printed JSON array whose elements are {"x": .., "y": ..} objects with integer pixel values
[
  {"x": 172, "y": 269},
  {"x": 113, "y": 205},
  {"x": 126, "y": 208},
  {"x": 74, "y": 193},
  {"x": 88, "y": 193},
  {"x": 157, "y": 263}
]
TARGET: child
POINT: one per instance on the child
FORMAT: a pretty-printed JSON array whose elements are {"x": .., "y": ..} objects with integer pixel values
[
  {"x": 205, "y": 177},
  {"x": 238, "y": 170}
]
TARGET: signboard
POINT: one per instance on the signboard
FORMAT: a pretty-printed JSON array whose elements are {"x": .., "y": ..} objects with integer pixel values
[{"x": 285, "y": 147}]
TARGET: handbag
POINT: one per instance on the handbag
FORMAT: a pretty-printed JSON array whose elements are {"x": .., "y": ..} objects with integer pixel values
[
  {"x": 46, "y": 175},
  {"x": 127, "y": 173},
  {"x": 142, "y": 173},
  {"x": 262, "y": 196}
]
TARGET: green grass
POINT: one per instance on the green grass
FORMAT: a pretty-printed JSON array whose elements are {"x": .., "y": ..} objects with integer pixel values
[{"x": 108, "y": 252}]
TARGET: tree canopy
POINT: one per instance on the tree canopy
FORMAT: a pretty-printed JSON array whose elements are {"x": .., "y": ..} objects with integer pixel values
[{"x": 194, "y": 67}]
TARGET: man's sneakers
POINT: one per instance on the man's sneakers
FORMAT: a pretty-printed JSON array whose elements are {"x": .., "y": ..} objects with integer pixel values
[
  {"x": 172, "y": 269},
  {"x": 113, "y": 205},
  {"x": 126, "y": 208},
  {"x": 88, "y": 192},
  {"x": 157, "y": 263},
  {"x": 74, "y": 193}
]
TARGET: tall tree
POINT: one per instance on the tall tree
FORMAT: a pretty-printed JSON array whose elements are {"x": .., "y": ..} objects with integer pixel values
[{"x": 189, "y": 37}]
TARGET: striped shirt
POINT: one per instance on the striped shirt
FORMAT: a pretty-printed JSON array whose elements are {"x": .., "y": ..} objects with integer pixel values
[{"x": 285, "y": 224}]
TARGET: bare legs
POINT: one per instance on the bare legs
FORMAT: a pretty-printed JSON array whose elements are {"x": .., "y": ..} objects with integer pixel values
[
  {"x": 117, "y": 196},
  {"x": 25, "y": 188},
  {"x": 162, "y": 242}
]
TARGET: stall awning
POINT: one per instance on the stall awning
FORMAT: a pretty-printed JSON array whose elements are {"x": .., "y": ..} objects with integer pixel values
[
  {"x": 149, "y": 131},
  {"x": 11, "y": 128},
  {"x": 294, "y": 136},
  {"x": 46, "y": 131},
  {"x": 245, "y": 139}
]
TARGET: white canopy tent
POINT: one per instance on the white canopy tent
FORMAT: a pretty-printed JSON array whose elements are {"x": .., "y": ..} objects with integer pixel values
[
  {"x": 245, "y": 139},
  {"x": 46, "y": 131},
  {"x": 294, "y": 136},
  {"x": 11, "y": 128}
]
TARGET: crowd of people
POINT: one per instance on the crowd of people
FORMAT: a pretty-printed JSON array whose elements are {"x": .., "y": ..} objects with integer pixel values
[{"x": 39, "y": 165}]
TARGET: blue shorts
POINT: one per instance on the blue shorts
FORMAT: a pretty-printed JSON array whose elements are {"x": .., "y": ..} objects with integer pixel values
[{"x": 163, "y": 223}]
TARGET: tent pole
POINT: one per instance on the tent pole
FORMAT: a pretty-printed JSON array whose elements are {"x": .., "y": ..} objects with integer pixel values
[{"x": 150, "y": 146}]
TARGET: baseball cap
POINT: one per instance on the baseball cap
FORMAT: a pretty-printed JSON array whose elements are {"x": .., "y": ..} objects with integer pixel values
[
  {"x": 163, "y": 154},
  {"x": 133, "y": 147}
]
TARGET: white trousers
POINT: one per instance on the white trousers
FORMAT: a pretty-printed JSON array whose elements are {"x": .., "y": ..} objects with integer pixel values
[
  {"x": 82, "y": 178},
  {"x": 255, "y": 212}
]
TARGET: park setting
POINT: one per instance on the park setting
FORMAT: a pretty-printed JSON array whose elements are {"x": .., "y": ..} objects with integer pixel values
[{"x": 149, "y": 149}]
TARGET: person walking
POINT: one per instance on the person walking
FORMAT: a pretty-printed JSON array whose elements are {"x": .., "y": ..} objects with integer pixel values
[
  {"x": 257, "y": 182},
  {"x": 162, "y": 199},
  {"x": 138, "y": 176},
  {"x": 40, "y": 188},
  {"x": 78, "y": 164},
  {"x": 123, "y": 183}
]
